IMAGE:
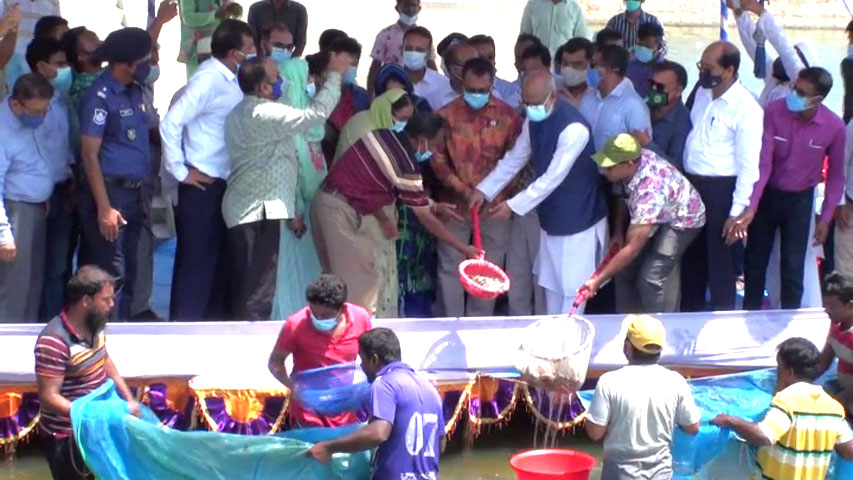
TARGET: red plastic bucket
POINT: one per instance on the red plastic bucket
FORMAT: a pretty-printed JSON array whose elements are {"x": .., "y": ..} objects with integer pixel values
[{"x": 552, "y": 464}]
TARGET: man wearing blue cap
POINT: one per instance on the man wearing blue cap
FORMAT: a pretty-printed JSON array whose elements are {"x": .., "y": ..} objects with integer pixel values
[{"x": 116, "y": 159}]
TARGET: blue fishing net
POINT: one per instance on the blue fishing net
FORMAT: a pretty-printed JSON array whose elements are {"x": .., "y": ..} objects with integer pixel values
[
  {"x": 716, "y": 453},
  {"x": 118, "y": 446},
  {"x": 332, "y": 390}
]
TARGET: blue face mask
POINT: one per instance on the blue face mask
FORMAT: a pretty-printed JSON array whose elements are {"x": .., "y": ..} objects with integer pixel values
[
  {"x": 476, "y": 100},
  {"x": 324, "y": 324},
  {"x": 399, "y": 126},
  {"x": 423, "y": 157},
  {"x": 153, "y": 75},
  {"x": 280, "y": 55},
  {"x": 633, "y": 5},
  {"x": 277, "y": 87},
  {"x": 311, "y": 89},
  {"x": 349, "y": 76},
  {"x": 593, "y": 78},
  {"x": 247, "y": 56},
  {"x": 644, "y": 54},
  {"x": 414, "y": 61},
  {"x": 63, "y": 79},
  {"x": 31, "y": 121},
  {"x": 141, "y": 73},
  {"x": 537, "y": 113},
  {"x": 797, "y": 103}
]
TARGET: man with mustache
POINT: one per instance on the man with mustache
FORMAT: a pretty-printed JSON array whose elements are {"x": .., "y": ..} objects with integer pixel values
[{"x": 71, "y": 361}]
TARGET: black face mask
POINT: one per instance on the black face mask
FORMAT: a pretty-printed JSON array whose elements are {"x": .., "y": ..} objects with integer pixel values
[{"x": 708, "y": 80}]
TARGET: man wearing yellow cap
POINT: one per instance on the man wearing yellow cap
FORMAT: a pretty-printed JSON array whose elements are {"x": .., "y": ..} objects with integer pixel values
[
  {"x": 636, "y": 408},
  {"x": 666, "y": 215}
]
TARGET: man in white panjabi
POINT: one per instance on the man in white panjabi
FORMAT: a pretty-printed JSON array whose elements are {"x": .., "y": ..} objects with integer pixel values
[{"x": 568, "y": 191}]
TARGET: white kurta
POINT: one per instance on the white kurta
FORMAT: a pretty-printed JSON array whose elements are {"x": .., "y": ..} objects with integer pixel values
[{"x": 564, "y": 262}]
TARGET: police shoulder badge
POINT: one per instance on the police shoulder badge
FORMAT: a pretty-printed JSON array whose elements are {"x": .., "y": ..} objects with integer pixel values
[
  {"x": 100, "y": 116},
  {"x": 131, "y": 134}
]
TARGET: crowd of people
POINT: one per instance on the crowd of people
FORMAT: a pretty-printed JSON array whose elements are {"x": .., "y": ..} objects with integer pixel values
[
  {"x": 286, "y": 168},
  {"x": 280, "y": 166}
]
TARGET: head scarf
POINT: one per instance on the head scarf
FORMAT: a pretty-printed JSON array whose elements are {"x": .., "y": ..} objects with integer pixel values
[
  {"x": 378, "y": 117},
  {"x": 312, "y": 165},
  {"x": 391, "y": 71}
]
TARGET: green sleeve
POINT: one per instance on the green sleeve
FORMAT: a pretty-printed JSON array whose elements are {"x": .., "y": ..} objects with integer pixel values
[{"x": 193, "y": 18}]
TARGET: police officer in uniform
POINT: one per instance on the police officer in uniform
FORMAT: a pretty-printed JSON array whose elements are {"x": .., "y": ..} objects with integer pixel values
[{"x": 116, "y": 159}]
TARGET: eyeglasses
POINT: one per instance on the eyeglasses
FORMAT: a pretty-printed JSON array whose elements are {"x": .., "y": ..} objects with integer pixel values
[{"x": 658, "y": 87}]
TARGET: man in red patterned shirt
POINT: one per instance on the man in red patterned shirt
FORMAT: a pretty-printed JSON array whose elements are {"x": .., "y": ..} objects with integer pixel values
[
  {"x": 71, "y": 361},
  {"x": 481, "y": 130}
]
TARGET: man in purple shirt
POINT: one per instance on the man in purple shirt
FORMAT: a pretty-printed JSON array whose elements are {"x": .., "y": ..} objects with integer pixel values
[
  {"x": 406, "y": 417},
  {"x": 799, "y": 132}
]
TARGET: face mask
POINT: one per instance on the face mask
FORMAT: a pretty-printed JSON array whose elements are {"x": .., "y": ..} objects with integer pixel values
[
  {"x": 280, "y": 55},
  {"x": 324, "y": 324},
  {"x": 276, "y": 88},
  {"x": 423, "y": 157},
  {"x": 141, "y": 72},
  {"x": 246, "y": 56},
  {"x": 644, "y": 54},
  {"x": 572, "y": 77},
  {"x": 414, "y": 61},
  {"x": 398, "y": 126},
  {"x": 633, "y": 5},
  {"x": 707, "y": 80},
  {"x": 153, "y": 75},
  {"x": 657, "y": 99},
  {"x": 349, "y": 76},
  {"x": 593, "y": 79},
  {"x": 31, "y": 121},
  {"x": 407, "y": 20},
  {"x": 537, "y": 113},
  {"x": 311, "y": 89},
  {"x": 797, "y": 103},
  {"x": 476, "y": 100},
  {"x": 63, "y": 79}
]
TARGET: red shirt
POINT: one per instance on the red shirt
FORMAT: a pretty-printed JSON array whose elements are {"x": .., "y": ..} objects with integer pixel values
[
  {"x": 312, "y": 348},
  {"x": 842, "y": 345}
]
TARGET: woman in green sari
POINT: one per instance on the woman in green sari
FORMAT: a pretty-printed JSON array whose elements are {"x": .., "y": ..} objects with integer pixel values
[
  {"x": 391, "y": 110},
  {"x": 298, "y": 264},
  {"x": 199, "y": 18}
]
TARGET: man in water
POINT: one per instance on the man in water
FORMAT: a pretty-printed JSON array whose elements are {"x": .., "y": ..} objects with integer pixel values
[
  {"x": 71, "y": 361},
  {"x": 804, "y": 424},
  {"x": 838, "y": 303},
  {"x": 406, "y": 419},
  {"x": 636, "y": 421}
]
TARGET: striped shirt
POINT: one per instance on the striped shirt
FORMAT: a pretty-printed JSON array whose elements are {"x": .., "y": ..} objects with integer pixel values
[
  {"x": 805, "y": 424},
  {"x": 375, "y": 170},
  {"x": 842, "y": 346},
  {"x": 628, "y": 30},
  {"x": 60, "y": 353}
]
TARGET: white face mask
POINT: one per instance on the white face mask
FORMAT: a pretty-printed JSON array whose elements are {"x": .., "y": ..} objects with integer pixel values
[{"x": 573, "y": 77}]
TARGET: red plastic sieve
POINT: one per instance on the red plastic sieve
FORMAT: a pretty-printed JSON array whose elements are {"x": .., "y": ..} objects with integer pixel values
[
  {"x": 583, "y": 293},
  {"x": 480, "y": 277}
]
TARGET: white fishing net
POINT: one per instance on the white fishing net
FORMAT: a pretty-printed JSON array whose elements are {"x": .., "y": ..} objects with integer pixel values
[{"x": 554, "y": 353}]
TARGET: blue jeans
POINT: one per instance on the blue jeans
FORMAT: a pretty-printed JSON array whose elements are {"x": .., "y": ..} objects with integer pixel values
[
  {"x": 118, "y": 258},
  {"x": 60, "y": 246}
]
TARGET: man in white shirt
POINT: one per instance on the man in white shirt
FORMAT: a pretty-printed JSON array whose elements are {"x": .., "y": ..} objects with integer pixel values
[
  {"x": 429, "y": 84},
  {"x": 504, "y": 90},
  {"x": 721, "y": 160},
  {"x": 635, "y": 409},
  {"x": 454, "y": 59},
  {"x": 193, "y": 133},
  {"x": 568, "y": 192}
]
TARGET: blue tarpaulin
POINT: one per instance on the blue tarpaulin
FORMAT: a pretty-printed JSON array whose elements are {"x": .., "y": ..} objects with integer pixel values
[{"x": 119, "y": 446}]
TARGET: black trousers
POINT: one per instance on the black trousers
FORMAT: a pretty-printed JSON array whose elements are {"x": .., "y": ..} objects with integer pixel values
[
  {"x": 118, "y": 258},
  {"x": 253, "y": 248},
  {"x": 64, "y": 459},
  {"x": 790, "y": 213},
  {"x": 708, "y": 261},
  {"x": 200, "y": 281}
]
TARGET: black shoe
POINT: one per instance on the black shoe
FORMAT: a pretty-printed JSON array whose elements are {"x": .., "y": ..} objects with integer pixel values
[{"x": 146, "y": 316}]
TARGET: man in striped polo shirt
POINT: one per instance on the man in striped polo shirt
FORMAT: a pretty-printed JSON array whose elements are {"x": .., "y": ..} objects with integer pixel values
[
  {"x": 804, "y": 424},
  {"x": 838, "y": 303},
  {"x": 71, "y": 361}
]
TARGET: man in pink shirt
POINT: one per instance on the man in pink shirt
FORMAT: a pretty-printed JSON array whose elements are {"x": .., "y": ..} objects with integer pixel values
[{"x": 322, "y": 334}]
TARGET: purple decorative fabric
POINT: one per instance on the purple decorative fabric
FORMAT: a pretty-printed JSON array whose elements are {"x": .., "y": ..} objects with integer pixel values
[
  {"x": 490, "y": 409},
  {"x": 168, "y": 416},
  {"x": 12, "y": 425},
  {"x": 260, "y": 426}
]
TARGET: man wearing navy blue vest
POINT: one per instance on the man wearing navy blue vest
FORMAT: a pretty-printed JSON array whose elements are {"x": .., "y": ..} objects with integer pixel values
[{"x": 568, "y": 192}]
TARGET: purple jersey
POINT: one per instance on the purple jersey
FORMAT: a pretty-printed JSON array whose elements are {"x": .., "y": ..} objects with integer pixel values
[{"x": 414, "y": 408}]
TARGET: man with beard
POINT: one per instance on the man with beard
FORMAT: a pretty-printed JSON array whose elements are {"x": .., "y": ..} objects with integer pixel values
[{"x": 71, "y": 361}]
